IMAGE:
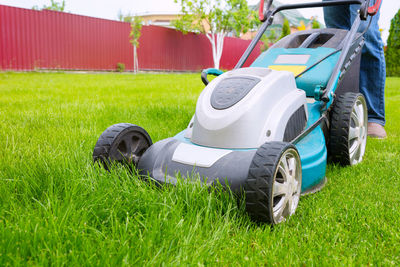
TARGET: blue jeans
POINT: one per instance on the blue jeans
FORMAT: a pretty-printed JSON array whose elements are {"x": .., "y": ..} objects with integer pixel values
[{"x": 373, "y": 67}]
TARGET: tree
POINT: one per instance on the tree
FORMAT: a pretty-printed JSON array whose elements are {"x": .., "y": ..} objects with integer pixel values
[
  {"x": 54, "y": 5},
  {"x": 268, "y": 39},
  {"x": 265, "y": 40},
  {"x": 272, "y": 36},
  {"x": 315, "y": 24},
  {"x": 393, "y": 47},
  {"x": 136, "y": 27},
  {"x": 215, "y": 19},
  {"x": 285, "y": 29}
]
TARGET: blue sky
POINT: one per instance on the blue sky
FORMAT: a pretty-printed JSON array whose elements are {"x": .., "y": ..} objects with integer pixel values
[{"x": 109, "y": 9}]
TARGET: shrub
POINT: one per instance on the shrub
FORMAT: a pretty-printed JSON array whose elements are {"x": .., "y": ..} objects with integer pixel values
[
  {"x": 268, "y": 40},
  {"x": 120, "y": 67},
  {"x": 393, "y": 47},
  {"x": 315, "y": 24},
  {"x": 285, "y": 29}
]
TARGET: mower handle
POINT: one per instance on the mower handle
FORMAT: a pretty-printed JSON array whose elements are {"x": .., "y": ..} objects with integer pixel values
[
  {"x": 267, "y": 16},
  {"x": 263, "y": 13},
  {"x": 370, "y": 10},
  {"x": 317, "y": 4},
  {"x": 211, "y": 71}
]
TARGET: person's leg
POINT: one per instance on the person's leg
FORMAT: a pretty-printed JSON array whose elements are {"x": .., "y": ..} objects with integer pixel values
[
  {"x": 373, "y": 68},
  {"x": 337, "y": 17}
]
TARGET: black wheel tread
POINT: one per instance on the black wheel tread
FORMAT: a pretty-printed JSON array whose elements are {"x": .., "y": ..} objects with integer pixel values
[
  {"x": 338, "y": 147},
  {"x": 104, "y": 143},
  {"x": 258, "y": 185}
]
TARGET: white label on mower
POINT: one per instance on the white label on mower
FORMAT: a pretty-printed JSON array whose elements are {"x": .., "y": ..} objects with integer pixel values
[
  {"x": 197, "y": 155},
  {"x": 292, "y": 59}
]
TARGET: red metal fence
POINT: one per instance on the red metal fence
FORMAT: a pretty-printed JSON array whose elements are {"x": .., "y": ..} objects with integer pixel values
[{"x": 31, "y": 39}]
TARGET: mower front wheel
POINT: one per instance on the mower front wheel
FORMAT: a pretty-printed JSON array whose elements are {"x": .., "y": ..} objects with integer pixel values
[
  {"x": 273, "y": 186},
  {"x": 122, "y": 143}
]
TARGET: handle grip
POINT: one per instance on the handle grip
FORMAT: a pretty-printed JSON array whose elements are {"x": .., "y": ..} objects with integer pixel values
[
  {"x": 211, "y": 71},
  {"x": 372, "y": 10}
]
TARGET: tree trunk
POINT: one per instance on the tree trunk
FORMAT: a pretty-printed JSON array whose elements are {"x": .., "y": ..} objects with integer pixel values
[
  {"x": 217, "y": 45},
  {"x": 135, "y": 60},
  {"x": 220, "y": 46}
]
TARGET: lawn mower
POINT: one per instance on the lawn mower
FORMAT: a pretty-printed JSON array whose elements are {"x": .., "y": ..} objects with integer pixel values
[{"x": 265, "y": 131}]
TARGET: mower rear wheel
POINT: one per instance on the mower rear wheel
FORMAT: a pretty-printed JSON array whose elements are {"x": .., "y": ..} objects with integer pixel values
[
  {"x": 123, "y": 143},
  {"x": 348, "y": 133},
  {"x": 273, "y": 186}
]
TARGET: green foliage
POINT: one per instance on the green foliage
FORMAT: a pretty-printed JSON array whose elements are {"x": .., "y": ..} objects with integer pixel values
[
  {"x": 54, "y": 5},
  {"x": 134, "y": 35},
  {"x": 272, "y": 36},
  {"x": 264, "y": 39},
  {"x": 267, "y": 40},
  {"x": 57, "y": 209},
  {"x": 241, "y": 18},
  {"x": 285, "y": 29},
  {"x": 315, "y": 24},
  {"x": 215, "y": 16},
  {"x": 120, "y": 67},
  {"x": 215, "y": 19},
  {"x": 393, "y": 47},
  {"x": 136, "y": 27}
]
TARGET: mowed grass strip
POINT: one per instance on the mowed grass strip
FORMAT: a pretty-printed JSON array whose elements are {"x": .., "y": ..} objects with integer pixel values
[{"x": 57, "y": 208}]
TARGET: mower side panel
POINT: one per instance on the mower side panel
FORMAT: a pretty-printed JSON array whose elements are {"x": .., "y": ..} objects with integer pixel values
[
  {"x": 312, "y": 151},
  {"x": 313, "y": 155},
  {"x": 230, "y": 169},
  {"x": 163, "y": 163}
]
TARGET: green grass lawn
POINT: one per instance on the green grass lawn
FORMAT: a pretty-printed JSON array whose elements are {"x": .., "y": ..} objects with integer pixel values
[{"x": 57, "y": 208}]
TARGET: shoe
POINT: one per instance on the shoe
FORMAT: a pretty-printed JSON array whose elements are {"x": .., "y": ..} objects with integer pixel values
[{"x": 376, "y": 130}]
